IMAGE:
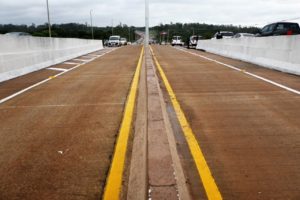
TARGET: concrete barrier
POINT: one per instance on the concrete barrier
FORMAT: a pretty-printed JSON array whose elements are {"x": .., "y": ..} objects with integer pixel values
[
  {"x": 22, "y": 55},
  {"x": 279, "y": 52}
]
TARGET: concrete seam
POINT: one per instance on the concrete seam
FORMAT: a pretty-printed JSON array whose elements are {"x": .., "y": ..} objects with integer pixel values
[{"x": 179, "y": 172}]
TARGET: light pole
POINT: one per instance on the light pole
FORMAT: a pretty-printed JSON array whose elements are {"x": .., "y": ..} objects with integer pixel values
[
  {"x": 92, "y": 23},
  {"x": 112, "y": 27},
  {"x": 129, "y": 34},
  {"x": 147, "y": 22},
  {"x": 49, "y": 24}
]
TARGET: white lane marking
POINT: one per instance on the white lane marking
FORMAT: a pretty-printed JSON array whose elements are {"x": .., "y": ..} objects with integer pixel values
[
  {"x": 81, "y": 60},
  {"x": 89, "y": 56},
  {"x": 48, "y": 79},
  {"x": 240, "y": 70},
  {"x": 57, "y": 69},
  {"x": 70, "y": 63}
]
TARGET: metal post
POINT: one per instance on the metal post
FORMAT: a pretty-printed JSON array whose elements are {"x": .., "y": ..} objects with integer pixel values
[
  {"x": 168, "y": 36},
  {"x": 147, "y": 22},
  {"x": 49, "y": 24},
  {"x": 129, "y": 34},
  {"x": 92, "y": 23},
  {"x": 112, "y": 27}
]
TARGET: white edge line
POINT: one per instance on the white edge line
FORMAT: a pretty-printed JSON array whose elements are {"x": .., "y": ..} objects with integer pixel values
[
  {"x": 248, "y": 73},
  {"x": 48, "y": 79}
]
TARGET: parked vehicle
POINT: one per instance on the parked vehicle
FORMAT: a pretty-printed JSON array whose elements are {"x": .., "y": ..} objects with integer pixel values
[
  {"x": 193, "y": 40},
  {"x": 177, "y": 41},
  {"x": 17, "y": 34},
  {"x": 114, "y": 41},
  {"x": 123, "y": 41},
  {"x": 242, "y": 35},
  {"x": 105, "y": 43},
  {"x": 280, "y": 28},
  {"x": 224, "y": 35}
]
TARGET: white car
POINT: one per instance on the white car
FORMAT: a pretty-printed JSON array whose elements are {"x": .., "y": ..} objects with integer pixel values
[
  {"x": 177, "y": 41},
  {"x": 123, "y": 41},
  {"x": 16, "y": 34},
  {"x": 114, "y": 41},
  {"x": 242, "y": 35}
]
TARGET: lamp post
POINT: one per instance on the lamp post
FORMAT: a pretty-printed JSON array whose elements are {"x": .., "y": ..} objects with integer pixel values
[
  {"x": 49, "y": 24},
  {"x": 129, "y": 34},
  {"x": 92, "y": 23},
  {"x": 112, "y": 27},
  {"x": 147, "y": 22}
]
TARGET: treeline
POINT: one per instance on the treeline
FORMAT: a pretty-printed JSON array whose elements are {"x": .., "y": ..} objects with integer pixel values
[
  {"x": 71, "y": 30},
  {"x": 74, "y": 30},
  {"x": 205, "y": 30}
]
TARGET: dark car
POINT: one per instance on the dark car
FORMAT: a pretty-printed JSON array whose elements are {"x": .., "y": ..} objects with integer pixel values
[{"x": 280, "y": 28}]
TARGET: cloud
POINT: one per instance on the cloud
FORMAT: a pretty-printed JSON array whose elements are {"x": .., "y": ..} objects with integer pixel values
[{"x": 131, "y": 12}]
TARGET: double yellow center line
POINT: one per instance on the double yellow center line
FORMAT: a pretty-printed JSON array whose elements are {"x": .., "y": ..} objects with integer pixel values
[
  {"x": 114, "y": 181},
  {"x": 208, "y": 181}
]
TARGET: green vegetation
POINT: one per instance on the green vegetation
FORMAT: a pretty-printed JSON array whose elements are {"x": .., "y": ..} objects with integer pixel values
[
  {"x": 205, "y": 30},
  {"x": 71, "y": 30}
]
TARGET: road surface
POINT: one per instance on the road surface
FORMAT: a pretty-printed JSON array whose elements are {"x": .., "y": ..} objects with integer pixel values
[{"x": 163, "y": 123}]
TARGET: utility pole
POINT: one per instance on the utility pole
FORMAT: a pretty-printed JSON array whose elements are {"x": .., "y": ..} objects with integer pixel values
[
  {"x": 129, "y": 34},
  {"x": 49, "y": 24},
  {"x": 168, "y": 36},
  {"x": 112, "y": 27},
  {"x": 147, "y": 22},
  {"x": 92, "y": 23}
]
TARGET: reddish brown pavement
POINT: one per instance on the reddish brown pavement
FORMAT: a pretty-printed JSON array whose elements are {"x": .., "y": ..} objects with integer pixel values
[
  {"x": 12, "y": 86},
  {"x": 248, "y": 129},
  {"x": 56, "y": 140}
]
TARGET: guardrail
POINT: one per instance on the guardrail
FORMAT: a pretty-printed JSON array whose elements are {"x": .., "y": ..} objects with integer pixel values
[
  {"x": 23, "y": 54},
  {"x": 279, "y": 52}
]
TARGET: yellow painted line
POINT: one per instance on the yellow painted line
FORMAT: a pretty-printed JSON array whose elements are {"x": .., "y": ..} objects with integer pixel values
[
  {"x": 210, "y": 186},
  {"x": 114, "y": 181}
]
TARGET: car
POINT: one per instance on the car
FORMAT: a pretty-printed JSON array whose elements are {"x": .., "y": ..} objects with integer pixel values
[
  {"x": 193, "y": 40},
  {"x": 105, "y": 43},
  {"x": 279, "y": 28},
  {"x": 242, "y": 35},
  {"x": 17, "y": 34},
  {"x": 123, "y": 41},
  {"x": 114, "y": 41},
  {"x": 177, "y": 41},
  {"x": 223, "y": 35}
]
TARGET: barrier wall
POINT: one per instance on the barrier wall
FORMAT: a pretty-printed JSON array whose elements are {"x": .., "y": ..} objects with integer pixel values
[
  {"x": 279, "y": 52},
  {"x": 25, "y": 54}
]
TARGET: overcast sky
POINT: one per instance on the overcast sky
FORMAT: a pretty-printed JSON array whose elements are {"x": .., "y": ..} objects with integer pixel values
[{"x": 131, "y": 12}]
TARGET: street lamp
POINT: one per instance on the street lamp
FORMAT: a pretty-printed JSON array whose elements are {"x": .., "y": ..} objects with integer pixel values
[
  {"x": 49, "y": 24},
  {"x": 112, "y": 27},
  {"x": 147, "y": 22},
  {"x": 92, "y": 23}
]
